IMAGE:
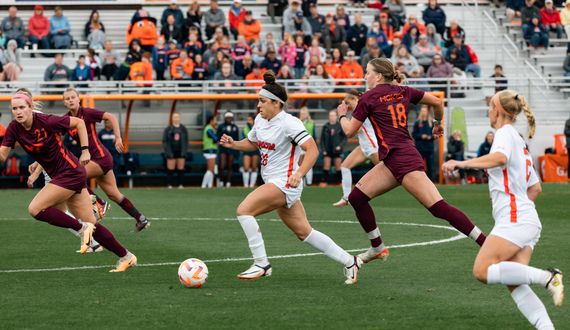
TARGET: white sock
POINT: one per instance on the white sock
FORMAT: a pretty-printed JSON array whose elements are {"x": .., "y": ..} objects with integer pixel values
[
  {"x": 346, "y": 182},
  {"x": 207, "y": 180},
  {"x": 513, "y": 273},
  {"x": 211, "y": 179},
  {"x": 309, "y": 177},
  {"x": 253, "y": 180},
  {"x": 531, "y": 307},
  {"x": 245, "y": 176},
  {"x": 253, "y": 234},
  {"x": 327, "y": 246}
]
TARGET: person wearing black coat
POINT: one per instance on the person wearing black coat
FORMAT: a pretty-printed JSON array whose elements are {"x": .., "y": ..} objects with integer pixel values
[
  {"x": 356, "y": 36},
  {"x": 227, "y": 155},
  {"x": 456, "y": 151},
  {"x": 333, "y": 139},
  {"x": 423, "y": 138},
  {"x": 175, "y": 142},
  {"x": 170, "y": 31}
]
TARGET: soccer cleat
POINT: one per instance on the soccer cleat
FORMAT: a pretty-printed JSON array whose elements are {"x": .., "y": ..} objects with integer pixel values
[
  {"x": 323, "y": 184},
  {"x": 555, "y": 286},
  {"x": 125, "y": 262},
  {"x": 141, "y": 225},
  {"x": 93, "y": 248},
  {"x": 255, "y": 272},
  {"x": 343, "y": 201},
  {"x": 371, "y": 254},
  {"x": 352, "y": 270},
  {"x": 101, "y": 209},
  {"x": 86, "y": 234}
]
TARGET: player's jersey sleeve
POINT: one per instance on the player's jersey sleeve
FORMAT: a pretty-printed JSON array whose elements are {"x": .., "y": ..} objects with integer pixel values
[
  {"x": 295, "y": 130},
  {"x": 362, "y": 109},
  {"x": 93, "y": 115},
  {"x": 502, "y": 143},
  {"x": 415, "y": 95},
  {"x": 9, "y": 137},
  {"x": 252, "y": 135},
  {"x": 533, "y": 178},
  {"x": 57, "y": 123}
]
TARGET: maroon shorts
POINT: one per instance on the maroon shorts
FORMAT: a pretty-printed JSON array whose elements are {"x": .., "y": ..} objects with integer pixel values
[
  {"x": 106, "y": 163},
  {"x": 76, "y": 180},
  {"x": 403, "y": 161}
]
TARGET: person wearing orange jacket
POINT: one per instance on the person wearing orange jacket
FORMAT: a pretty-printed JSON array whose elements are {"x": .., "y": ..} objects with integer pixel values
[
  {"x": 182, "y": 67},
  {"x": 256, "y": 74},
  {"x": 249, "y": 27},
  {"x": 350, "y": 69},
  {"x": 332, "y": 69},
  {"x": 142, "y": 71},
  {"x": 386, "y": 26}
]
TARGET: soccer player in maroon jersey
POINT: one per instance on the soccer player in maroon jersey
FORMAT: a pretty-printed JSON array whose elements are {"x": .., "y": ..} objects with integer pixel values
[
  {"x": 387, "y": 107},
  {"x": 101, "y": 165},
  {"x": 39, "y": 135}
]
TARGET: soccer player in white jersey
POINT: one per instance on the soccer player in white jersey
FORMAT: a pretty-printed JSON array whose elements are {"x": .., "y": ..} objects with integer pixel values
[
  {"x": 367, "y": 149},
  {"x": 280, "y": 137},
  {"x": 513, "y": 184}
]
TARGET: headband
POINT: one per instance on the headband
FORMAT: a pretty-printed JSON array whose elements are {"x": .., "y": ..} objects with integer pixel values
[
  {"x": 23, "y": 96},
  {"x": 265, "y": 93},
  {"x": 500, "y": 107}
]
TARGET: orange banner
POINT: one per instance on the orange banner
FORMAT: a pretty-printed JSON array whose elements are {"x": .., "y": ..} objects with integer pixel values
[
  {"x": 553, "y": 168},
  {"x": 560, "y": 144}
]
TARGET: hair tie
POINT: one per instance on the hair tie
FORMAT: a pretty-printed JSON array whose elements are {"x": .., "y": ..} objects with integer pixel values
[
  {"x": 500, "y": 107},
  {"x": 516, "y": 96},
  {"x": 23, "y": 96}
]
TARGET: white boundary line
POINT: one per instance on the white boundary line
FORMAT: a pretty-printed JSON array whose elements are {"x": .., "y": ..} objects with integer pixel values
[{"x": 451, "y": 239}]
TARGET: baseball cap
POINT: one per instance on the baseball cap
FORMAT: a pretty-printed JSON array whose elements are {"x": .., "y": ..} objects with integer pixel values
[
  {"x": 350, "y": 53},
  {"x": 383, "y": 15},
  {"x": 375, "y": 46},
  {"x": 248, "y": 12},
  {"x": 331, "y": 15},
  {"x": 256, "y": 66},
  {"x": 329, "y": 56},
  {"x": 457, "y": 35},
  {"x": 299, "y": 14},
  {"x": 548, "y": 1}
]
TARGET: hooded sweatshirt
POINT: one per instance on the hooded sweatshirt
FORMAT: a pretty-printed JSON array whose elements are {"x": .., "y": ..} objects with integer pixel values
[{"x": 38, "y": 25}]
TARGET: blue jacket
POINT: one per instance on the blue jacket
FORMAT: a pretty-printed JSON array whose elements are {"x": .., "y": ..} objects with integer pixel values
[
  {"x": 484, "y": 149},
  {"x": 380, "y": 37},
  {"x": 421, "y": 128},
  {"x": 159, "y": 60},
  {"x": 59, "y": 24},
  {"x": 178, "y": 16},
  {"x": 435, "y": 16},
  {"x": 530, "y": 31},
  {"x": 463, "y": 51},
  {"x": 515, "y": 5}
]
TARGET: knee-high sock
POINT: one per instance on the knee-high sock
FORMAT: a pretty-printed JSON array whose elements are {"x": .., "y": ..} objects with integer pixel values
[
  {"x": 365, "y": 215},
  {"x": 180, "y": 175},
  {"x": 126, "y": 205},
  {"x": 253, "y": 234},
  {"x": 58, "y": 218},
  {"x": 106, "y": 238},
  {"x": 253, "y": 179},
  {"x": 531, "y": 307},
  {"x": 325, "y": 177},
  {"x": 513, "y": 273},
  {"x": 99, "y": 200},
  {"x": 207, "y": 180},
  {"x": 74, "y": 232},
  {"x": 169, "y": 177},
  {"x": 211, "y": 180},
  {"x": 346, "y": 181},
  {"x": 458, "y": 220},
  {"x": 327, "y": 246},
  {"x": 309, "y": 177},
  {"x": 245, "y": 176}
]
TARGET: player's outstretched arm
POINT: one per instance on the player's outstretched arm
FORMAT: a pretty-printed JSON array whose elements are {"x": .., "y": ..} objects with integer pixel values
[
  {"x": 349, "y": 126},
  {"x": 4, "y": 152},
  {"x": 79, "y": 124},
  {"x": 117, "y": 130},
  {"x": 484, "y": 162},
  {"x": 246, "y": 145}
]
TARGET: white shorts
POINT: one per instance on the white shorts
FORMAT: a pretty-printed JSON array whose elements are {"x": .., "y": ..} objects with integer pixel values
[
  {"x": 210, "y": 156},
  {"x": 292, "y": 194},
  {"x": 368, "y": 149},
  {"x": 520, "y": 234}
]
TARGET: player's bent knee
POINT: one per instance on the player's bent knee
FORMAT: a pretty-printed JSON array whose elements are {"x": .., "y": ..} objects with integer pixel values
[
  {"x": 243, "y": 210},
  {"x": 480, "y": 274},
  {"x": 34, "y": 210}
]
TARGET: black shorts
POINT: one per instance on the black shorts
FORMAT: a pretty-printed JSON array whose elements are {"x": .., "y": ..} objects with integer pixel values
[{"x": 176, "y": 154}]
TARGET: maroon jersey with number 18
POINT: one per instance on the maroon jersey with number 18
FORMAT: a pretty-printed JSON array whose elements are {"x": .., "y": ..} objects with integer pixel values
[{"x": 387, "y": 106}]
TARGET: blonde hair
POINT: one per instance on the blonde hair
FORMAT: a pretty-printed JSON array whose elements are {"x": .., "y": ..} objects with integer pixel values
[
  {"x": 429, "y": 120},
  {"x": 387, "y": 70},
  {"x": 70, "y": 89},
  {"x": 514, "y": 103},
  {"x": 308, "y": 114},
  {"x": 37, "y": 104}
]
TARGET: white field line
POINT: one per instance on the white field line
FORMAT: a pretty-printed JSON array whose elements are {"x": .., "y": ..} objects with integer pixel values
[{"x": 454, "y": 238}]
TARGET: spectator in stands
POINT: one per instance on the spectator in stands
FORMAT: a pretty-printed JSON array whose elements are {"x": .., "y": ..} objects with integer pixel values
[
  {"x": 170, "y": 31},
  {"x": 236, "y": 15},
  {"x": 565, "y": 18},
  {"x": 386, "y": 27},
  {"x": 225, "y": 46},
  {"x": 306, "y": 6},
  {"x": 193, "y": 46},
  {"x": 2, "y": 74},
  {"x": 418, "y": 84},
  {"x": 331, "y": 69},
  {"x": 299, "y": 26},
  {"x": 216, "y": 66},
  {"x": 13, "y": 28},
  {"x": 210, "y": 54},
  {"x": 356, "y": 36},
  {"x": 468, "y": 54},
  {"x": 500, "y": 84},
  {"x": 285, "y": 73},
  {"x": 287, "y": 49},
  {"x": 451, "y": 31},
  {"x": 409, "y": 61},
  {"x": 60, "y": 30},
  {"x": 316, "y": 50},
  {"x": 333, "y": 35},
  {"x": 485, "y": 147},
  {"x": 13, "y": 67},
  {"x": 81, "y": 72},
  {"x": 566, "y": 67},
  {"x": 424, "y": 52},
  {"x": 182, "y": 67},
  {"x": 200, "y": 71},
  {"x": 351, "y": 69},
  {"x": 291, "y": 12},
  {"x": 226, "y": 74},
  {"x": 173, "y": 52},
  {"x": 271, "y": 62},
  {"x": 411, "y": 38},
  {"x": 398, "y": 11},
  {"x": 142, "y": 71},
  {"x": 57, "y": 72},
  {"x": 340, "y": 15},
  {"x": 38, "y": 29},
  {"x": 433, "y": 37},
  {"x": 536, "y": 34},
  {"x": 214, "y": 18},
  {"x": 301, "y": 54},
  {"x": 312, "y": 66},
  {"x": 423, "y": 138},
  {"x": 316, "y": 20},
  {"x": 95, "y": 31},
  {"x": 333, "y": 139},
  {"x": 435, "y": 15},
  {"x": 439, "y": 69},
  {"x": 240, "y": 48},
  {"x": 411, "y": 22},
  {"x": 107, "y": 138},
  {"x": 276, "y": 8},
  {"x": 374, "y": 52},
  {"x": 227, "y": 155},
  {"x": 244, "y": 66},
  {"x": 320, "y": 82},
  {"x": 94, "y": 62},
  {"x": 514, "y": 8},
  {"x": 193, "y": 18},
  {"x": 268, "y": 43},
  {"x": 175, "y": 11},
  {"x": 2, "y": 39},
  {"x": 175, "y": 142},
  {"x": 111, "y": 60},
  {"x": 527, "y": 13},
  {"x": 133, "y": 55},
  {"x": 567, "y": 133},
  {"x": 257, "y": 54},
  {"x": 209, "y": 150},
  {"x": 249, "y": 27},
  {"x": 392, "y": 49},
  {"x": 255, "y": 74},
  {"x": 456, "y": 151},
  {"x": 551, "y": 19}
]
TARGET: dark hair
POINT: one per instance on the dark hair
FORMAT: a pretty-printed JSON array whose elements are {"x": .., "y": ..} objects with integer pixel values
[
  {"x": 209, "y": 119},
  {"x": 81, "y": 56},
  {"x": 325, "y": 74},
  {"x": 252, "y": 115},
  {"x": 273, "y": 87},
  {"x": 499, "y": 66},
  {"x": 355, "y": 92}
]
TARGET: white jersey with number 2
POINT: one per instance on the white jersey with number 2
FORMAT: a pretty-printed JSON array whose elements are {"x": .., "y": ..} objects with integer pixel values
[
  {"x": 508, "y": 184},
  {"x": 278, "y": 141}
]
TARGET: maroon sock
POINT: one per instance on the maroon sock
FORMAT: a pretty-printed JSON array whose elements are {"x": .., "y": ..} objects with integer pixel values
[
  {"x": 126, "y": 205},
  {"x": 58, "y": 218},
  {"x": 364, "y": 213},
  {"x": 106, "y": 238},
  {"x": 456, "y": 218},
  {"x": 99, "y": 200}
]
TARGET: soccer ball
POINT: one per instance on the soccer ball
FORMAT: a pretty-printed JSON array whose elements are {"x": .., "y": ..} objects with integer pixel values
[{"x": 193, "y": 273}]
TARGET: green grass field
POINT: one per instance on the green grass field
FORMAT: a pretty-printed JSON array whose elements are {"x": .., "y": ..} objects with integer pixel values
[{"x": 45, "y": 284}]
